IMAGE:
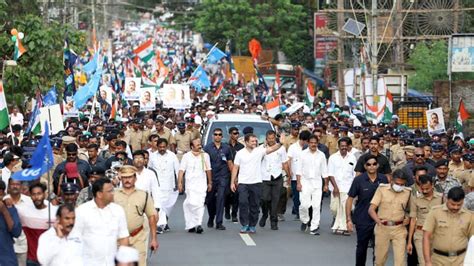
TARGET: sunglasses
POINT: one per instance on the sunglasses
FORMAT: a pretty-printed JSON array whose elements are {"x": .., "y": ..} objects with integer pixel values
[
  {"x": 419, "y": 155},
  {"x": 371, "y": 164},
  {"x": 235, "y": 133},
  {"x": 217, "y": 134}
]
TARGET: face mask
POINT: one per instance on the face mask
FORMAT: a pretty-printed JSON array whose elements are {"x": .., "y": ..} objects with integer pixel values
[{"x": 397, "y": 188}]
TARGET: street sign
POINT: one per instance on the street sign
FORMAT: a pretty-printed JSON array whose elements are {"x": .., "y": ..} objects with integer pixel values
[{"x": 353, "y": 27}]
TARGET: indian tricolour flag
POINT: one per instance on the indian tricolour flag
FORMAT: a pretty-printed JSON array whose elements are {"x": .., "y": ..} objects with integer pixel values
[
  {"x": 273, "y": 107},
  {"x": 463, "y": 115},
  {"x": 4, "y": 121},
  {"x": 145, "y": 51},
  {"x": 388, "y": 110},
  {"x": 19, "y": 49},
  {"x": 310, "y": 93}
]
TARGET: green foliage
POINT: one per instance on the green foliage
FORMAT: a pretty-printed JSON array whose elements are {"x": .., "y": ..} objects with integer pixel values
[
  {"x": 430, "y": 61},
  {"x": 277, "y": 24},
  {"x": 41, "y": 66}
]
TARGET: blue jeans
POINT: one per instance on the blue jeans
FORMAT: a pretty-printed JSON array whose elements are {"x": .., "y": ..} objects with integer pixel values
[{"x": 295, "y": 195}]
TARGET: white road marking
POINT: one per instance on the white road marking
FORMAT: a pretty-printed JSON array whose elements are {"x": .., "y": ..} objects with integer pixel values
[{"x": 247, "y": 239}]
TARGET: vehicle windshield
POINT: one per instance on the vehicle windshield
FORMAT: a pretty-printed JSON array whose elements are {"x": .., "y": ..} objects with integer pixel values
[{"x": 259, "y": 129}]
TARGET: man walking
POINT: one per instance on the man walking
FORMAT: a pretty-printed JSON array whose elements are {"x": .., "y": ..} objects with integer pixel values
[
  {"x": 232, "y": 199},
  {"x": 197, "y": 167}
]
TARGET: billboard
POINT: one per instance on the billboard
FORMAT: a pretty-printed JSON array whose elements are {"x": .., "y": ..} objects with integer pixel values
[
  {"x": 324, "y": 41},
  {"x": 462, "y": 53}
]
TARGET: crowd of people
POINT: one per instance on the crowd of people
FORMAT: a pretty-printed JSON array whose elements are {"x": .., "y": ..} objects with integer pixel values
[{"x": 115, "y": 181}]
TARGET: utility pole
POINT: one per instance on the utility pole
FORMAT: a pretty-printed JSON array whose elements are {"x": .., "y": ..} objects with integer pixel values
[
  {"x": 373, "y": 47},
  {"x": 94, "y": 33},
  {"x": 340, "y": 54},
  {"x": 104, "y": 17}
]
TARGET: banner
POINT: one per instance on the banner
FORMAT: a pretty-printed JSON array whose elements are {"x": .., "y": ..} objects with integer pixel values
[
  {"x": 132, "y": 89},
  {"x": 176, "y": 96},
  {"x": 462, "y": 53},
  {"x": 324, "y": 42},
  {"x": 435, "y": 121},
  {"x": 147, "y": 99},
  {"x": 52, "y": 115}
]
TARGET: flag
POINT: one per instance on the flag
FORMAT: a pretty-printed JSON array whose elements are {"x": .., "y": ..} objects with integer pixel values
[
  {"x": 309, "y": 99},
  {"x": 87, "y": 91},
  {"x": 234, "y": 75},
  {"x": 34, "y": 124},
  {"x": 19, "y": 49},
  {"x": 41, "y": 161},
  {"x": 277, "y": 83},
  {"x": 4, "y": 120},
  {"x": 69, "y": 59},
  {"x": 217, "y": 93},
  {"x": 199, "y": 79},
  {"x": 51, "y": 97},
  {"x": 273, "y": 107},
  {"x": 261, "y": 80},
  {"x": 91, "y": 66},
  {"x": 462, "y": 116},
  {"x": 388, "y": 110},
  {"x": 145, "y": 51},
  {"x": 255, "y": 48},
  {"x": 352, "y": 102},
  {"x": 215, "y": 55},
  {"x": 132, "y": 69}
]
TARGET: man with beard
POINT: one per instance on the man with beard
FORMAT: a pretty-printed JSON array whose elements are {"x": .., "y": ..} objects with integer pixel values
[
  {"x": 77, "y": 169},
  {"x": 58, "y": 246},
  {"x": 166, "y": 165},
  {"x": 444, "y": 182},
  {"x": 418, "y": 161},
  {"x": 382, "y": 161},
  {"x": 36, "y": 219},
  {"x": 70, "y": 193}
]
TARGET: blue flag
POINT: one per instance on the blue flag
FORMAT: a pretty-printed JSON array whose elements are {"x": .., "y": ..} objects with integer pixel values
[
  {"x": 41, "y": 160},
  {"x": 91, "y": 66},
  {"x": 51, "y": 97},
  {"x": 87, "y": 91},
  {"x": 69, "y": 59},
  {"x": 199, "y": 79},
  {"x": 352, "y": 102},
  {"x": 215, "y": 55},
  {"x": 33, "y": 117}
]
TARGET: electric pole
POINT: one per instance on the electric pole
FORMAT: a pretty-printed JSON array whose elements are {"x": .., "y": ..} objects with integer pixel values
[{"x": 373, "y": 47}]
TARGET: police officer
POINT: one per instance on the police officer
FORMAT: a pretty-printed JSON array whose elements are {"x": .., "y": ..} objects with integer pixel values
[
  {"x": 363, "y": 188},
  {"x": 388, "y": 209},
  {"x": 293, "y": 137},
  {"x": 137, "y": 203},
  {"x": 455, "y": 164},
  {"x": 86, "y": 193},
  {"x": 420, "y": 206},
  {"x": 443, "y": 181},
  {"x": 467, "y": 174},
  {"x": 331, "y": 140},
  {"x": 437, "y": 151},
  {"x": 446, "y": 231},
  {"x": 70, "y": 193},
  {"x": 183, "y": 140}
]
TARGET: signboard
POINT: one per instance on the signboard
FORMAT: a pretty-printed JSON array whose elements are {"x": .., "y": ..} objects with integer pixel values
[
  {"x": 176, "y": 96},
  {"x": 53, "y": 115},
  {"x": 435, "y": 121},
  {"x": 462, "y": 53},
  {"x": 324, "y": 41}
]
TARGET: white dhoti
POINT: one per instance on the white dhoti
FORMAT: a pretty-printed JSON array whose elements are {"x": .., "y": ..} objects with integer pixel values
[
  {"x": 168, "y": 199},
  {"x": 338, "y": 208},
  {"x": 193, "y": 207},
  {"x": 310, "y": 196}
]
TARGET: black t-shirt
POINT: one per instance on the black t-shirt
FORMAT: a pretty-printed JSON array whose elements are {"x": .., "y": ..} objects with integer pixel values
[
  {"x": 384, "y": 165},
  {"x": 364, "y": 190}
]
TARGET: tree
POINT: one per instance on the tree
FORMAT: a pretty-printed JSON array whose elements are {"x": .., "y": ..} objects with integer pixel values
[
  {"x": 430, "y": 61},
  {"x": 41, "y": 66},
  {"x": 277, "y": 24}
]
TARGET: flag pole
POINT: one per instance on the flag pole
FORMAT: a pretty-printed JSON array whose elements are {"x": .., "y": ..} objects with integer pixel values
[{"x": 205, "y": 58}]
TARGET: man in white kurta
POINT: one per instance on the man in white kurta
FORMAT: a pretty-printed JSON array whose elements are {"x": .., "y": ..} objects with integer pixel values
[
  {"x": 166, "y": 165},
  {"x": 311, "y": 173},
  {"x": 196, "y": 168},
  {"x": 341, "y": 173}
]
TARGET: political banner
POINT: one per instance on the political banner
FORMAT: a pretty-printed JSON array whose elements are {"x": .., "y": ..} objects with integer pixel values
[
  {"x": 147, "y": 99},
  {"x": 132, "y": 89},
  {"x": 176, "y": 96},
  {"x": 435, "y": 121},
  {"x": 52, "y": 115}
]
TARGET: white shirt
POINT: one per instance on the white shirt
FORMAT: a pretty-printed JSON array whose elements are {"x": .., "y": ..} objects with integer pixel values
[
  {"x": 293, "y": 154},
  {"x": 16, "y": 119},
  {"x": 21, "y": 244},
  {"x": 55, "y": 251},
  {"x": 342, "y": 169},
  {"x": 195, "y": 168},
  {"x": 6, "y": 174},
  {"x": 167, "y": 167},
  {"x": 147, "y": 181},
  {"x": 312, "y": 165},
  {"x": 469, "y": 258},
  {"x": 250, "y": 163},
  {"x": 99, "y": 230},
  {"x": 272, "y": 164}
]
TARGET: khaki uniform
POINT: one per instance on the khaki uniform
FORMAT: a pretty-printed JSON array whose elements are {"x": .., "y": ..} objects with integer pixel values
[
  {"x": 194, "y": 133},
  {"x": 419, "y": 209},
  {"x": 450, "y": 233},
  {"x": 135, "y": 206},
  {"x": 136, "y": 139},
  {"x": 391, "y": 208},
  {"x": 331, "y": 142},
  {"x": 289, "y": 140},
  {"x": 357, "y": 143},
  {"x": 183, "y": 143},
  {"x": 82, "y": 154},
  {"x": 166, "y": 134},
  {"x": 464, "y": 177},
  {"x": 146, "y": 135},
  {"x": 455, "y": 168}
]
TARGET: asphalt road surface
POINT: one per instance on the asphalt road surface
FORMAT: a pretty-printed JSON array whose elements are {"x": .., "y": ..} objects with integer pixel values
[{"x": 287, "y": 246}]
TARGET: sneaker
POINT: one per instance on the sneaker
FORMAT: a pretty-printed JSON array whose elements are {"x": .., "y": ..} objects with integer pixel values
[
  {"x": 234, "y": 219},
  {"x": 244, "y": 229},
  {"x": 252, "y": 230},
  {"x": 199, "y": 230},
  {"x": 281, "y": 217},
  {"x": 304, "y": 227},
  {"x": 167, "y": 228},
  {"x": 315, "y": 232},
  {"x": 159, "y": 230}
]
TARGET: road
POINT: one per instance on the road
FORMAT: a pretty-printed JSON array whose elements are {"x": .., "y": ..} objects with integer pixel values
[{"x": 287, "y": 246}]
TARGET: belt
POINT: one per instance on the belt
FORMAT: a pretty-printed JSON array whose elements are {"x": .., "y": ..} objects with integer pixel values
[
  {"x": 419, "y": 227},
  {"x": 450, "y": 253},
  {"x": 392, "y": 223},
  {"x": 136, "y": 231}
]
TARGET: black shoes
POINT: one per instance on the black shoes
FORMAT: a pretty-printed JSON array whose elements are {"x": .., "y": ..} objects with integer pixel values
[
  {"x": 199, "y": 230},
  {"x": 274, "y": 226},
  {"x": 234, "y": 219},
  {"x": 167, "y": 228},
  {"x": 304, "y": 227},
  {"x": 315, "y": 232},
  {"x": 220, "y": 227},
  {"x": 227, "y": 214},
  {"x": 263, "y": 221},
  {"x": 192, "y": 230},
  {"x": 210, "y": 223}
]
